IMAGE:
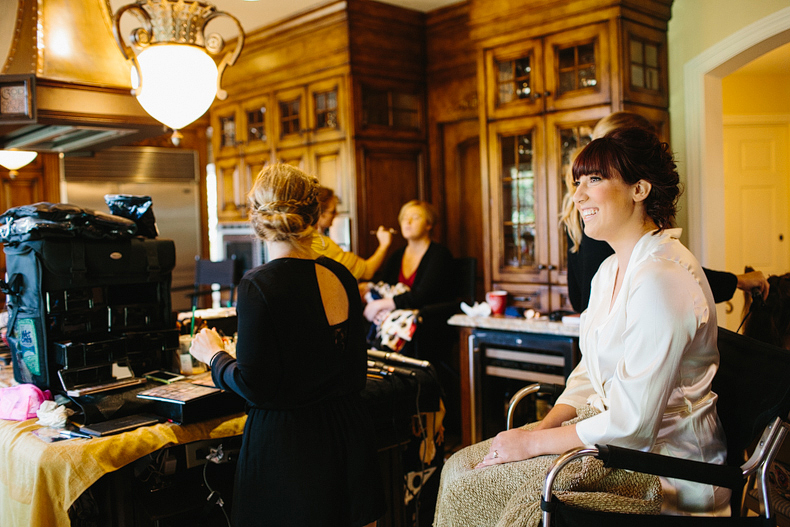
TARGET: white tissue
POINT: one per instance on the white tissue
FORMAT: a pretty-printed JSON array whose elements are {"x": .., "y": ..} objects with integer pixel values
[
  {"x": 477, "y": 310},
  {"x": 52, "y": 414}
]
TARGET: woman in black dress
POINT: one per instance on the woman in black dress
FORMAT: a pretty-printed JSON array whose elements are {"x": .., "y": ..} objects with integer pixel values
[{"x": 308, "y": 456}]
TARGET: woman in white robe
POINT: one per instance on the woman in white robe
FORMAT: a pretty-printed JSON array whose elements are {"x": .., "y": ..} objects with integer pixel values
[{"x": 648, "y": 337}]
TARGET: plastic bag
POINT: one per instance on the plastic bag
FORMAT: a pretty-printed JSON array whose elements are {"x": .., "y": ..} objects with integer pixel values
[
  {"x": 139, "y": 209},
  {"x": 20, "y": 402},
  {"x": 46, "y": 220}
]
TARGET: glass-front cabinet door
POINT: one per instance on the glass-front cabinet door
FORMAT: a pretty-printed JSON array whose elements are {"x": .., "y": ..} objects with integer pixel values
[
  {"x": 566, "y": 134},
  {"x": 645, "y": 71},
  {"x": 518, "y": 185},
  {"x": 514, "y": 76},
  {"x": 577, "y": 68},
  {"x": 327, "y": 109},
  {"x": 257, "y": 127}
]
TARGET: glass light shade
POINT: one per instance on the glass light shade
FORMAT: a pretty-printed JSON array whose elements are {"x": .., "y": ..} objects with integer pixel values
[
  {"x": 179, "y": 83},
  {"x": 16, "y": 159}
]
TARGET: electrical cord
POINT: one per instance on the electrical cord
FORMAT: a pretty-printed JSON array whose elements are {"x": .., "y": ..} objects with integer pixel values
[
  {"x": 423, "y": 436},
  {"x": 214, "y": 497}
]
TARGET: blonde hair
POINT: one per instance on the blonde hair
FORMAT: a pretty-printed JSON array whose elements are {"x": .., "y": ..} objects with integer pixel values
[
  {"x": 431, "y": 216},
  {"x": 570, "y": 217},
  {"x": 283, "y": 204}
]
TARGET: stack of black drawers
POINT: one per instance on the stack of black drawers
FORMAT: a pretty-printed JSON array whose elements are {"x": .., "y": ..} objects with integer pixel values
[{"x": 94, "y": 304}]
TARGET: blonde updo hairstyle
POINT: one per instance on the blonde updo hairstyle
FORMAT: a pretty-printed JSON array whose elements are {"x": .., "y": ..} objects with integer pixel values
[{"x": 283, "y": 204}]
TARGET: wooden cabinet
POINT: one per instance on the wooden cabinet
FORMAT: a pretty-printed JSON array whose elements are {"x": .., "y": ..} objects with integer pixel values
[
  {"x": 526, "y": 181},
  {"x": 241, "y": 144},
  {"x": 256, "y": 126},
  {"x": 301, "y": 126},
  {"x": 565, "y": 70},
  {"x": 310, "y": 113},
  {"x": 339, "y": 92},
  {"x": 545, "y": 87}
]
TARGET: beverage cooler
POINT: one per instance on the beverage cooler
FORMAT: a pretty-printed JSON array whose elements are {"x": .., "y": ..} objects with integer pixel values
[{"x": 503, "y": 362}]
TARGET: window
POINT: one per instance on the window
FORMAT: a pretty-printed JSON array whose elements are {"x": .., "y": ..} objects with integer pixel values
[
  {"x": 645, "y": 72},
  {"x": 256, "y": 127},
  {"x": 514, "y": 80},
  {"x": 326, "y": 109},
  {"x": 289, "y": 117},
  {"x": 577, "y": 67},
  {"x": 228, "y": 126}
]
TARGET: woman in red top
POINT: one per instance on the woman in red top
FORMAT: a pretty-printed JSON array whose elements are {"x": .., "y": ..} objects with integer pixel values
[{"x": 423, "y": 265}]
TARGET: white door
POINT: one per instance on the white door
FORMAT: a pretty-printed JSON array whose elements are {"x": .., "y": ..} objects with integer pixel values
[{"x": 756, "y": 183}]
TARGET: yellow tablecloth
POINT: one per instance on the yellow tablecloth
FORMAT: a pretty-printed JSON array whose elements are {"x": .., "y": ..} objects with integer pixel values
[{"x": 39, "y": 481}]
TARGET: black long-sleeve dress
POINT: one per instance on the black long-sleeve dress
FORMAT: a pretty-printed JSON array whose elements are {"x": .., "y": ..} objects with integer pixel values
[
  {"x": 583, "y": 264},
  {"x": 308, "y": 456},
  {"x": 433, "y": 280}
]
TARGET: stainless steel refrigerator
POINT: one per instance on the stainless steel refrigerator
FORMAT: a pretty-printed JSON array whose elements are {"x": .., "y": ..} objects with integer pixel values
[{"x": 168, "y": 175}]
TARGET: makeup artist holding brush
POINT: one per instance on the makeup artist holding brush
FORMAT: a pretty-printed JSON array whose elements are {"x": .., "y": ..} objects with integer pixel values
[{"x": 361, "y": 268}]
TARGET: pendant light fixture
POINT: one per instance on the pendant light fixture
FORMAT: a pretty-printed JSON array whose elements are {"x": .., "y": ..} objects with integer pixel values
[
  {"x": 13, "y": 160},
  {"x": 173, "y": 75}
]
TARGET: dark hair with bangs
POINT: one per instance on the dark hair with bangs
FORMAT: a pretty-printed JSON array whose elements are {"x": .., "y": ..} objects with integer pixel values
[{"x": 633, "y": 154}]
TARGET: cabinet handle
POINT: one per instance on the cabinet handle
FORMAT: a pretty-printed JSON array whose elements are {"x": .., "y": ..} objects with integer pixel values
[
  {"x": 552, "y": 267},
  {"x": 522, "y": 298},
  {"x": 541, "y": 267}
]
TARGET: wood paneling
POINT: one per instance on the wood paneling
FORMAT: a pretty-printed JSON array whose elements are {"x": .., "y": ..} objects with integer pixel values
[
  {"x": 386, "y": 41},
  {"x": 462, "y": 194},
  {"x": 505, "y": 19},
  {"x": 391, "y": 175},
  {"x": 346, "y": 46},
  {"x": 546, "y": 70}
]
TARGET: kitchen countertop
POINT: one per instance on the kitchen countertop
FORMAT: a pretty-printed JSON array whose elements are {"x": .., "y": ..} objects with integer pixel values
[{"x": 542, "y": 326}]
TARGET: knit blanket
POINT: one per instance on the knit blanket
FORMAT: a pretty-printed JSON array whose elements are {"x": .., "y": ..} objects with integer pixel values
[{"x": 508, "y": 495}]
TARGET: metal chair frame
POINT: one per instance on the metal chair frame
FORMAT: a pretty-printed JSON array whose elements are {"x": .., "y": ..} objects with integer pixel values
[{"x": 732, "y": 475}]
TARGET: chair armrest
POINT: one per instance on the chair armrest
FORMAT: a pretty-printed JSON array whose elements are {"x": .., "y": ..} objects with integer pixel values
[
  {"x": 670, "y": 467},
  {"x": 549, "y": 389},
  {"x": 638, "y": 461}
]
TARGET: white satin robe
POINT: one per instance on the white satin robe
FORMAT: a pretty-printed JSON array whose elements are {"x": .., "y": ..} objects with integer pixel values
[{"x": 648, "y": 364}]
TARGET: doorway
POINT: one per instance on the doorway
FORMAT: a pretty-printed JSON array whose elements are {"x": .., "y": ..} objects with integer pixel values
[
  {"x": 705, "y": 134},
  {"x": 756, "y": 182}
]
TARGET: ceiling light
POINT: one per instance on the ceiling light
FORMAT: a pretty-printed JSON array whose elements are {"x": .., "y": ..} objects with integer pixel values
[
  {"x": 173, "y": 77},
  {"x": 13, "y": 160}
]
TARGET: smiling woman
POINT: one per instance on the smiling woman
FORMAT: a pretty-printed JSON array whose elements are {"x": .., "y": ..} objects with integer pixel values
[{"x": 648, "y": 343}]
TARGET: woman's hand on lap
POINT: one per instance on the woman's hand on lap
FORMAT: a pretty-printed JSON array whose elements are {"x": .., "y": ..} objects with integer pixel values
[{"x": 512, "y": 445}]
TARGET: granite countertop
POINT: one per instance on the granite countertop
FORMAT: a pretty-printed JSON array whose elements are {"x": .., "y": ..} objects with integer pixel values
[{"x": 541, "y": 325}]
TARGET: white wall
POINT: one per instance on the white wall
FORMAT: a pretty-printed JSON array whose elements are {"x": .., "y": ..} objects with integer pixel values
[{"x": 697, "y": 26}]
